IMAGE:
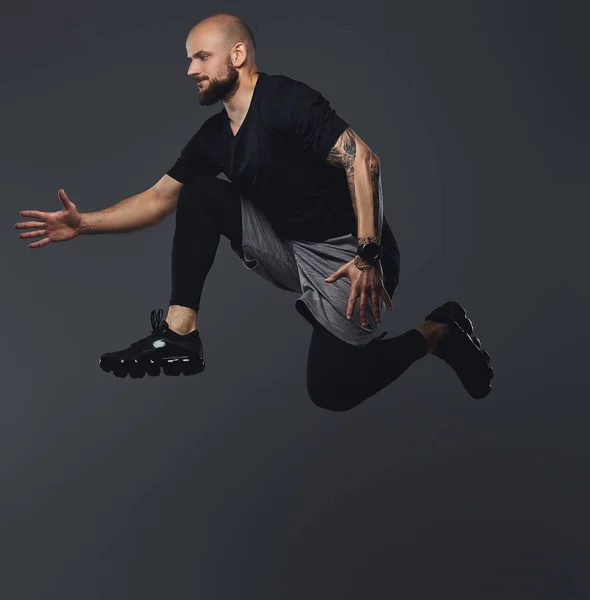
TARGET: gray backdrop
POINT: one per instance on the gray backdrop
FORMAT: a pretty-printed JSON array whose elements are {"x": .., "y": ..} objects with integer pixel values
[{"x": 232, "y": 484}]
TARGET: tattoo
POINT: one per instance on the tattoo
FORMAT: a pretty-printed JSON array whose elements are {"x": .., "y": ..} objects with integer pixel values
[
  {"x": 342, "y": 155},
  {"x": 344, "y": 152}
]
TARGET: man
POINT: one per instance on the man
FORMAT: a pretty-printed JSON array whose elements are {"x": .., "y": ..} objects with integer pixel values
[{"x": 302, "y": 207}]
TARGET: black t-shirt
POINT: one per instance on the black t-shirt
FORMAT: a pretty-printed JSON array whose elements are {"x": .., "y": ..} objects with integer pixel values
[{"x": 278, "y": 159}]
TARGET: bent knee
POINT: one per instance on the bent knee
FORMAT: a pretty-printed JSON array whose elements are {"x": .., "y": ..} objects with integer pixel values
[{"x": 331, "y": 398}]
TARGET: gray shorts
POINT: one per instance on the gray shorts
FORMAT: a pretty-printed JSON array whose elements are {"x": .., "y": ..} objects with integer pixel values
[{"x": 301, "y": 267}]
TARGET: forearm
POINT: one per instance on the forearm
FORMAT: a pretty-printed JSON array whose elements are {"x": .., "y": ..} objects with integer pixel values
[
  {"x": 136, "y": 212},
  {"x": 364, "y": 183}
]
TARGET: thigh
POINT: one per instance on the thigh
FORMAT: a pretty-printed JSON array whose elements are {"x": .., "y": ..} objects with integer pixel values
[
  {"x": 220, "y": 200},
  {"x": 335, "y": 371},
  {"x": 328, "y": 357},
  {"x": 328, "y": 302}
]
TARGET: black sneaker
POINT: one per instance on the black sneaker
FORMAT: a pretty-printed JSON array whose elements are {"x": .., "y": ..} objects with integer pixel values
[
  {"x": 462, "y": 351},
  {"x": 176, "y": 354}
]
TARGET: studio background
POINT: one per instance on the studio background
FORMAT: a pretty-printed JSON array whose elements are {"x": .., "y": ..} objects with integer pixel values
[{"x": 232, "y": 484}]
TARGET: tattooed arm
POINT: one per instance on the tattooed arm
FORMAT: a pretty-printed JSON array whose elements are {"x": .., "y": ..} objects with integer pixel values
[{"x": 364, "y": 181}]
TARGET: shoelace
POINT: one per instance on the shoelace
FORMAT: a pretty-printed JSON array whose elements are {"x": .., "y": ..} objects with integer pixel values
[{"x": 156, "y": 317}]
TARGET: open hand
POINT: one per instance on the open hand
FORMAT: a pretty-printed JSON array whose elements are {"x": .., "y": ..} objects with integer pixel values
[
  {"x": 55, "y": 226},
  {"x": 364, "y": 284}
]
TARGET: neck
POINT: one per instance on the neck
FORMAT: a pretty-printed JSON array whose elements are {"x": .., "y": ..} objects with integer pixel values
[{"x": 237, "y": 106}]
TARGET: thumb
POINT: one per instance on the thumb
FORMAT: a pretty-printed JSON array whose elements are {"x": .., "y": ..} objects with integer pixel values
[
  {"x": 335, "y": 276},
  {"x": 68, "y": 204}
]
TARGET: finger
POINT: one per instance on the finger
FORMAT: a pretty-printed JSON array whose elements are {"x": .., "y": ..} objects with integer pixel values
[
  {"x": 386, "y": 298},
  {"x": 351, "y": 302},
  {"x": 363, "y": 307},
  {"x": 375, "y": 302},
  {"x": 34, "y": 214},
  {"x": 30, "y": 234},
  {"x": 40, "y": 243},
  {"x": 335, "y": 276},
  {"x": 68, "y": 204},
  {"x": 26, "y": 224}
]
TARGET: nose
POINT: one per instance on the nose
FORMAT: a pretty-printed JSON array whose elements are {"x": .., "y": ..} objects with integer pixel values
[{"x": 192, "y": 72}]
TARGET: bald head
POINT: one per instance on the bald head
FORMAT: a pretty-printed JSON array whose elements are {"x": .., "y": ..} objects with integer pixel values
[
  {"x": 226, "y": 29},
  {"x": 221, "y": 53}
]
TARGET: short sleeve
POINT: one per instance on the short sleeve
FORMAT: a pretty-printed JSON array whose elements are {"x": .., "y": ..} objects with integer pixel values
[
  {"x": 194, "y": 160},
  {"x": 304, "y": 117}
]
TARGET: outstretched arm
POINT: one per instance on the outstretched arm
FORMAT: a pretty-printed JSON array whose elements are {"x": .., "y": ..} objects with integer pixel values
[{"x": 363, "y": 173}]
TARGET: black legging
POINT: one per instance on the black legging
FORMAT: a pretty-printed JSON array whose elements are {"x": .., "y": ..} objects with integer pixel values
[{"x": 339, "y": 375}]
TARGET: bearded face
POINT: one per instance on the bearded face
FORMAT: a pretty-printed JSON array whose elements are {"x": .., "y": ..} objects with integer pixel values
[{"x": 222, "y": 87}]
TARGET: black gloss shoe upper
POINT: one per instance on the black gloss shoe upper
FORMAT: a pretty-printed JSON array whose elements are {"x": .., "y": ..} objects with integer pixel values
[
  {"x": 462, "y": 351},
  {"x": 163, "y": 347},
  {"x": 456, "y": 312}
]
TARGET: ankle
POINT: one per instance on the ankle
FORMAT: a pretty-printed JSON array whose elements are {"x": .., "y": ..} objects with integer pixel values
[
  {"x": 433, "y": 333},
  {"x": 180, "y": 330},
  {"x": 181, "y": 319}
]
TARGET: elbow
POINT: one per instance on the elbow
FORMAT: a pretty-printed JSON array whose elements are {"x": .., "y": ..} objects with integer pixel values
[
  {"x": 374, "y": 160},
  {"x": 375, "y": 166},
  {"x": 373, "y": 163},
  {"x": 367, "y": 156}
]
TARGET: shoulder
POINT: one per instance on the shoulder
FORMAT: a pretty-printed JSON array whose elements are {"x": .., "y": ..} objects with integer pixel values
[
  {"x": 285, "y": 96},
  {"x": 280, "y": 81},
  {"x": 283, "y": 86}
]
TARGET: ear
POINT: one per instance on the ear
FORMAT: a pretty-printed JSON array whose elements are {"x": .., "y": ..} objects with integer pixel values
[{"x": 239, "y": 54}]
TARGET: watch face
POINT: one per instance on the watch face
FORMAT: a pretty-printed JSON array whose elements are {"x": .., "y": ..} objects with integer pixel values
[{"x": 370, "y": 252}]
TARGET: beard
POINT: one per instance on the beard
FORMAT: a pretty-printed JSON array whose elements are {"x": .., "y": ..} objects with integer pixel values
[{"x": 220, "y": 89}]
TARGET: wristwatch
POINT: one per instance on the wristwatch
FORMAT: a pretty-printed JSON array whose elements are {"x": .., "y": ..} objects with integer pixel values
[{"x": 369, "y": 252}]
